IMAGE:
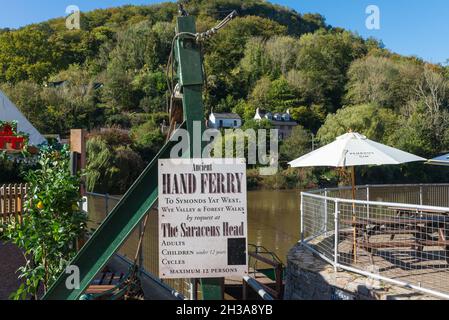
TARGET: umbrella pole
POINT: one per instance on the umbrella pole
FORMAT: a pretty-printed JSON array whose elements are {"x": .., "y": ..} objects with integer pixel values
[{"x": 354, "y": 215}]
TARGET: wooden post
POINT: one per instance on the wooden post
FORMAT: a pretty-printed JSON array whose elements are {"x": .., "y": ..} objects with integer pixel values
[
  {"x": 78, "y": 158},
  {"x": 78, "y": 146}
]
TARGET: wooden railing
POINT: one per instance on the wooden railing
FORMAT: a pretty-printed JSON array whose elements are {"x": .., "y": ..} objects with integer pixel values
[{"x": 12, "y": 198}]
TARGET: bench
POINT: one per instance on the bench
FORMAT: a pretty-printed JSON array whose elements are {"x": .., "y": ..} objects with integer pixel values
[
  {"x": 421, "y": 228},
  {"x": 106, "y": 285}
]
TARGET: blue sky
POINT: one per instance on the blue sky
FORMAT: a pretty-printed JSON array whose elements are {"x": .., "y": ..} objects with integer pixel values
[{"x": 409, "y": 27}]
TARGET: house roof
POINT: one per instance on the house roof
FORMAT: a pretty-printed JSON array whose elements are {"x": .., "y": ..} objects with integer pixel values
[
  {"x": 9, "y": 112},
  {"x": 226, "y": 116},
  {"x": 261, "y": 112},
  {"x": 283, "y": 123}
]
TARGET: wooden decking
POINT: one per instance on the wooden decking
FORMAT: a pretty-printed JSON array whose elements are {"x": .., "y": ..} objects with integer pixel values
[
  {"x": 426, "y": 267},
  {"x": 258, "y": 276}
]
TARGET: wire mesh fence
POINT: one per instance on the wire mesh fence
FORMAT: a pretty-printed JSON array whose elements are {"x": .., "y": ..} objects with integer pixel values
[
  {"x": 100, "y": 205},
  {"x": 402, "y": 242}
]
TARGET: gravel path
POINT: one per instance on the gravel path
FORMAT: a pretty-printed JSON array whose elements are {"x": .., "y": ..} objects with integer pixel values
[{"x": 10, "y": 260}]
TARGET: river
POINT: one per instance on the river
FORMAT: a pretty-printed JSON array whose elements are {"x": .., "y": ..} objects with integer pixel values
[{"x": 273, "y": 222}]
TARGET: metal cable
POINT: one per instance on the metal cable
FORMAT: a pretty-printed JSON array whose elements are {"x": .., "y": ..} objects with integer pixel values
[{"x": 199, "y": 37}]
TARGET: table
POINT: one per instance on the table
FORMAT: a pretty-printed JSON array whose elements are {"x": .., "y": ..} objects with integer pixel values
[{"x": 421, "y": 224}]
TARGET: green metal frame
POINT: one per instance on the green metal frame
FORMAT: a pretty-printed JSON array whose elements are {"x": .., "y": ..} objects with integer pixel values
[
  {"x": 190, "y": 72},
  {"x": 113, "y": 232},
  {"x": 128, "y": 213}
]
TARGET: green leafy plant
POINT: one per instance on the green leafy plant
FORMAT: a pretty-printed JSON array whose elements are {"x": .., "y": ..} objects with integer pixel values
[{"x": 51, "y": 225}]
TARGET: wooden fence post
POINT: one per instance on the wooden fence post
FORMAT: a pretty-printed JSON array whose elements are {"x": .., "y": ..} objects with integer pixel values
[
  {"x": 12, "y": 199},
  {"x": 78, "y": 159}
]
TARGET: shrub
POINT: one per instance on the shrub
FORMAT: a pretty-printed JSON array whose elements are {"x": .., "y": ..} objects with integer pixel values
[
  {"x": 52, "y": 224},
  {"x": 112, "y": 165}
]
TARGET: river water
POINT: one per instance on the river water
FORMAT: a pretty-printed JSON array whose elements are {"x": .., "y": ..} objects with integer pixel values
[{"x": 274, "y": 220}]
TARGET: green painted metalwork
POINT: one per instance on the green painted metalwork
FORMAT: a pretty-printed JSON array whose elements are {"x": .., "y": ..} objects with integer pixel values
[
  {"x": 113, "y": 232},
  {"x": 213, "y": 289},
  {"x": 188, "y": 53},
  {"x": 126, "y": 216},
  {"x": 190, "y": 73}
]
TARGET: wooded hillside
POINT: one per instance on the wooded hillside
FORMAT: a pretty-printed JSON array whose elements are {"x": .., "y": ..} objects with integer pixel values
[{"x": 111, "y": 73}]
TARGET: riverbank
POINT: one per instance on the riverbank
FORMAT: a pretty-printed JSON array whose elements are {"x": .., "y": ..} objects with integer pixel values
[{"x": 287, "y": 179}]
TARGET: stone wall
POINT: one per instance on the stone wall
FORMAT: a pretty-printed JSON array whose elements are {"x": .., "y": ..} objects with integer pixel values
[{"x": 311, "y": 278}]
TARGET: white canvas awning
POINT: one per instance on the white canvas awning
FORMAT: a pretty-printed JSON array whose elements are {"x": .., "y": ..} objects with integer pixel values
[{"x": 9, "y": 112}]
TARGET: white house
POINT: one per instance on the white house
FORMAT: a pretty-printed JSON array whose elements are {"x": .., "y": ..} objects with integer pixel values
[
  {"x": 224, "y": 120},
  {"x": 280, "y": 121}
]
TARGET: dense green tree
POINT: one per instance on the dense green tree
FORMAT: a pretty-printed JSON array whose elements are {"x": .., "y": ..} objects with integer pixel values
[
  {"x": 153, "y": 85},
  {"x": 310, "y": 118},
  {"x": 274, "y": 96},
  {"x": 298, "y": 144},
  {"x": 27, "y": 96},
  {"x": 132, "y": 73},
  {"x": 26, "y": 54},
  {"x": 112, "y": 165},
  {"x": 322, "y": 63},
  {"x": 225, "y": 50},
  {"x": 424, "y": 126},
  {"x": 274, "y": 57},
  {"x": 256, "y": 63},
  {"x": 382, "y": 81},
  {"x": 283, "y": 52},
  {"x": 376, "y": 123},
  {"x": 148, "y": 138}
]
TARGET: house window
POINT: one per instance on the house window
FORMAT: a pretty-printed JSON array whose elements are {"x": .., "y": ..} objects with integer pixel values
[
  {"x": 220, "y": 123},
  {"x": 235, "y": 123}
]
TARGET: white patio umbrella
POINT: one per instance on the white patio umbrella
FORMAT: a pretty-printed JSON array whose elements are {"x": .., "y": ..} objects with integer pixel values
[
  {"x": 351, "y": 150},
  {"x": 440, "y": 161}
]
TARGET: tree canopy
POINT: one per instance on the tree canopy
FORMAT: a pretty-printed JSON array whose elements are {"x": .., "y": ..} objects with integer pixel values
[{"x": 111, "y": 73}]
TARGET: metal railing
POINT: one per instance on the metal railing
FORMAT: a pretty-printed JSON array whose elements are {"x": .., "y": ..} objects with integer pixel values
[
  {"x": 397, "y": 234},
  {"x": 257, "y": 287}
]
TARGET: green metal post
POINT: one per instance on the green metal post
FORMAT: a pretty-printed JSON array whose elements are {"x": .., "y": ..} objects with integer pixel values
[{"x": 190, "y": 74}]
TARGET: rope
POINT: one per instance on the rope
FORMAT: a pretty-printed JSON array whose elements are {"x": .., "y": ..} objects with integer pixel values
[{"x": 142, "y": 234}]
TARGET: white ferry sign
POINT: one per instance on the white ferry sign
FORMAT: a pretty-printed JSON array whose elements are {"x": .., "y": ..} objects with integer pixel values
[{"x": 202, "y": 218}]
